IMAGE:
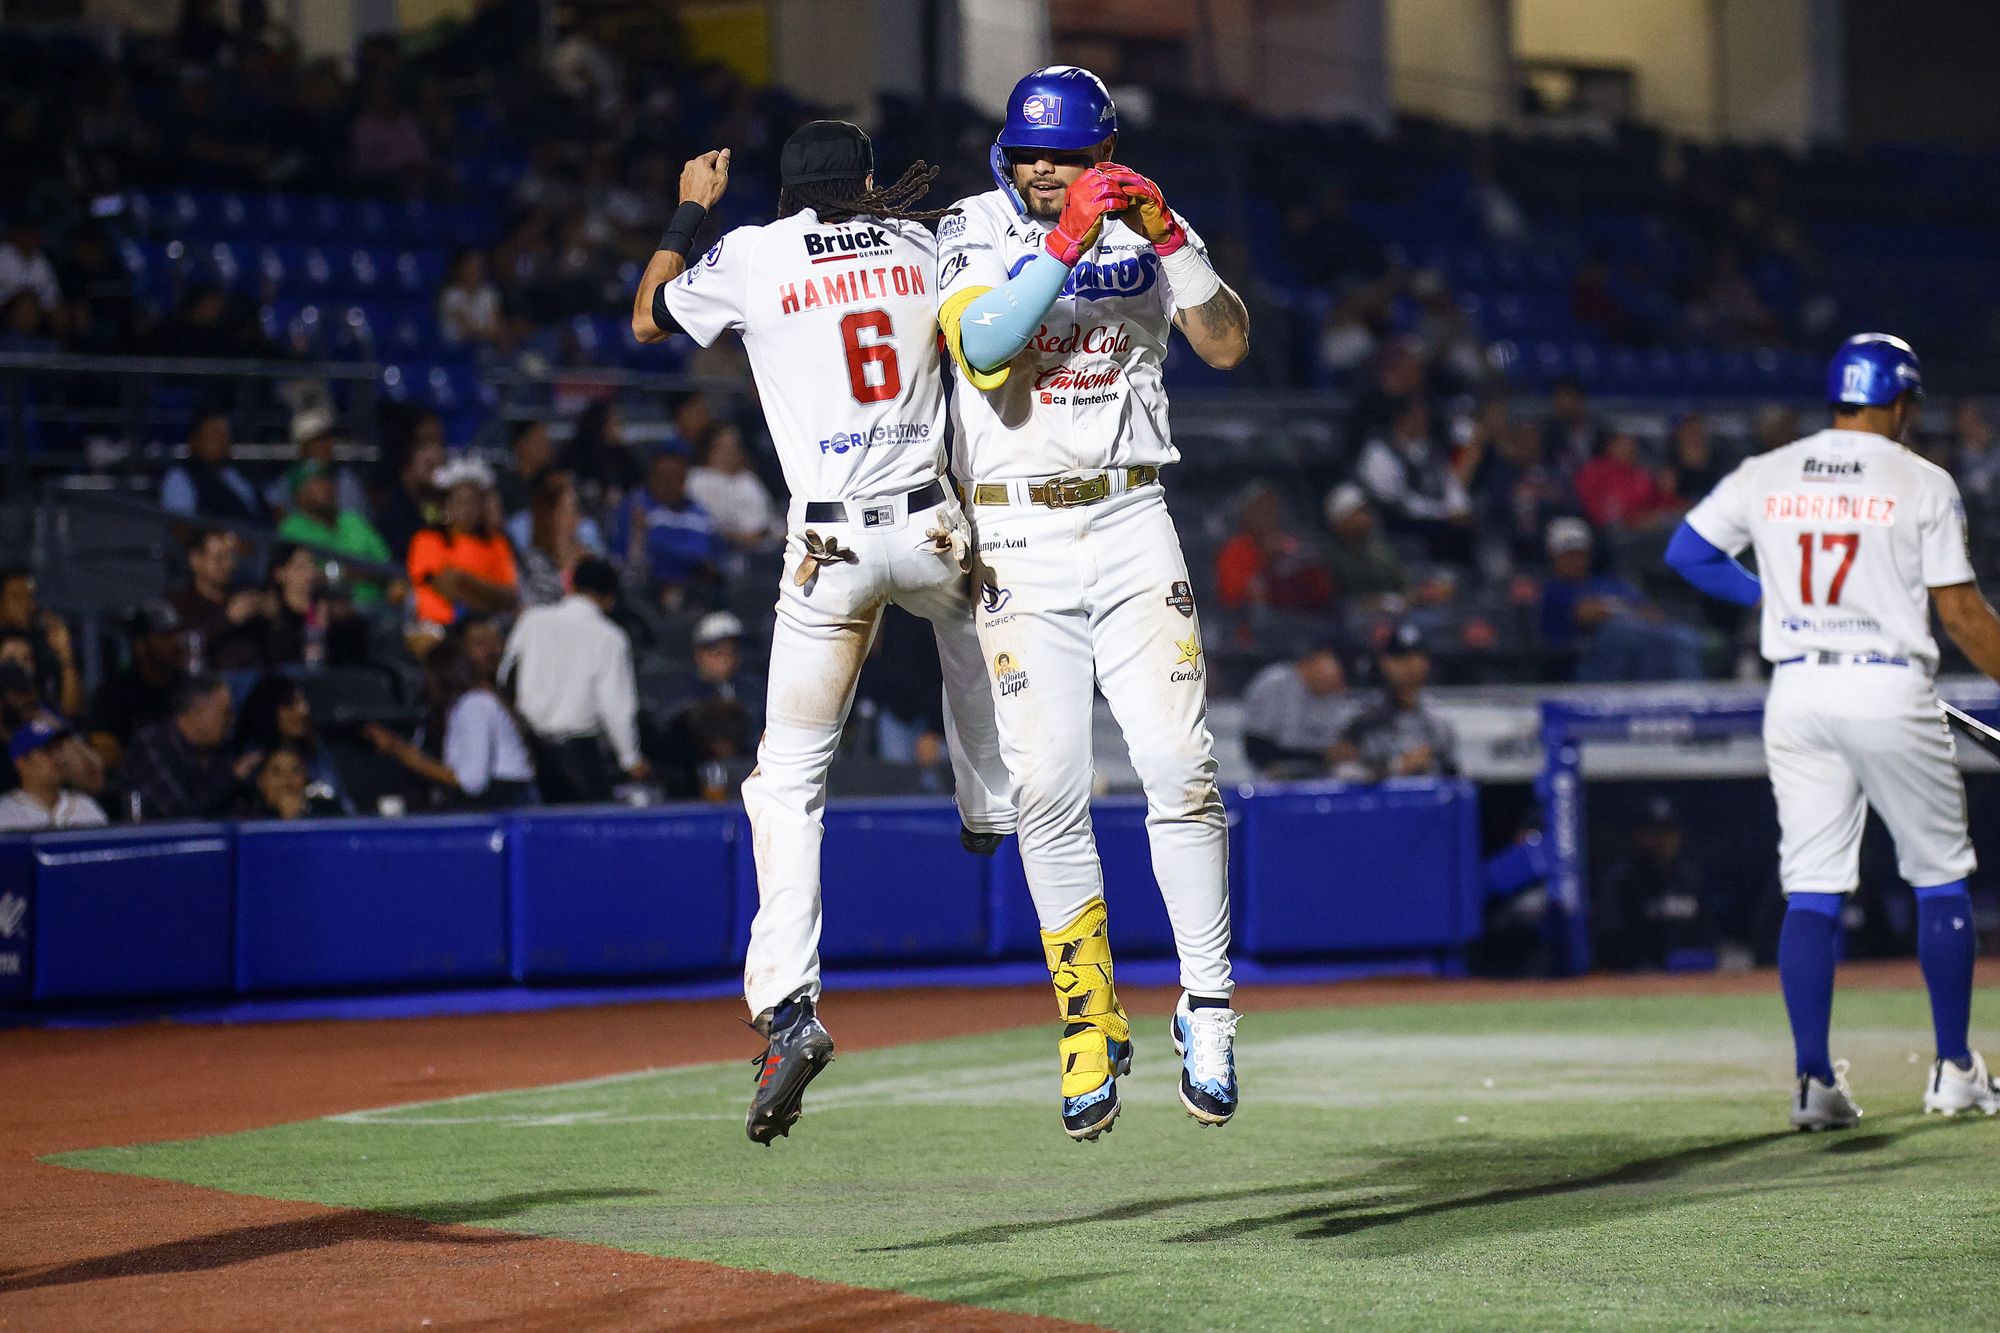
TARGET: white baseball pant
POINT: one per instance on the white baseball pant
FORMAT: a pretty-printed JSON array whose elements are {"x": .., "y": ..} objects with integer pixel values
[
  {"x": 1098, "y": 595},
  {"x": 823, "y": 633},
  {"x": 1842, "y": 737}
]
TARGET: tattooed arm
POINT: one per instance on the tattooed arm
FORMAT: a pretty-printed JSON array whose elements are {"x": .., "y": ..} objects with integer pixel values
[{"x": 1218, "y": 329}]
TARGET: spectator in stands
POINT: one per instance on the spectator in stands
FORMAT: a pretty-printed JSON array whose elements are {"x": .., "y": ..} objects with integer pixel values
[
  {"x": 1777, "y": 426},
  {"x": 224, "y": 623},
  {"x": 1615, "y": 633},
  {"x": 43, "y": 801},
  {"x": 665, "y": 536},
  {"x": 700, "y": 743},
  {"x": 388, "y": 147},
  {"x": 299, "y": 615},
  {"x": 1295, "y": 716},
  {"x": 54, "y": 654},
  {"x": 413, "y": 502},
  {"x": 1569, "y": 437},
  {"x": 1352, "y": 333},
  {"x": 530, "y": 452},
  {"x": 1399, "y": 735},
  {"x": 463, "y": 562},
  {"x": 102, "y": 316},
  {"x": 207, "y": 484},
  {"x": 1616, "y": 490},
  {"x": 483, "y": 760},
  {"x": 25, "y": 265},
  {"x": 469, "y": 306},
  {"x": 210, "y": 323},
  {"x": 723, "y": 483},
  {"x": 902, "y": 686},
  {"x": 179, "y": 769},
  {"x": 282, "y": 788},
  {"x": 1976, "y": 458},
  {"x": 570, "y": 670},
  {"x": 1411, "y": 482},
  {"x": 313, "y": 435},
  {"x": 1367, "y": 573},
  {"x": 317, "y": 521},
  {"x": 553, "y": 544},
  {"x": 551, "y": 485},
  {"x": 1518, "y": 493},
  {"x": 598, "y": 453},
  {"x": 1265, "y": 565},
  {"x": 1693, "y": 466},
  {"x": 276, "y": 715},
  {"x": 140, "y": 693},
  {"x": 24, "y": 327},
  {"x": 719, "y": 673}
]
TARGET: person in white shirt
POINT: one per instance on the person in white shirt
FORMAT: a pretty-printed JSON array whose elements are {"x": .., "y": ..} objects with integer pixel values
[
  {"x": 469, "y": 307},
  {"x": 1857, "y": 541},
  {"x": 837, "y": 305},
  {"x": 570, "y": 670},
  {"x": 1062, "y": 287},
  {"x": 25, "y": 265},
  {"x": 41, "y": 802},
  {"x": 723, "y": 483}
]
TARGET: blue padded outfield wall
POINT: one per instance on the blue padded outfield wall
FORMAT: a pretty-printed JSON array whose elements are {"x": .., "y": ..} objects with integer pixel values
[{"x": 597, "y": 896}]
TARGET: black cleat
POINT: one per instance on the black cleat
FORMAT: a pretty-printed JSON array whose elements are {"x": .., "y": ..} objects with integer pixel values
[
  {"x": 980, "y": 844},
  {"x": 796, "y": 1052}
]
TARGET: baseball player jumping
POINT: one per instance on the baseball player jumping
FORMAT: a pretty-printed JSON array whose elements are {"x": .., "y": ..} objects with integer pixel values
[
  {"x": 837, "y": 304},
  {"x": 1061, "y": 286},
  {"x": 1856, "y": 538}
]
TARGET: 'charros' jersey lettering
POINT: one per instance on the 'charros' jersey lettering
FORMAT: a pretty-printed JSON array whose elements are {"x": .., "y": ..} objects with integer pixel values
[
  {"x": 840, "y": 323},
  {"x": 1852, "y": 531},
  {"x": 1087, "y": 391}
]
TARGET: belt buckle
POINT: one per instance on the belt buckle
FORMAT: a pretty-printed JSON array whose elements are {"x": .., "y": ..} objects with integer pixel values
[
  {"x": 876, "y": 516},
  {"x": 1078, "y": 490}
]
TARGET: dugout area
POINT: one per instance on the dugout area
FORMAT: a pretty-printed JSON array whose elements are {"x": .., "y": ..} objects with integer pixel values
[{"x": 1409, "y": 1154}]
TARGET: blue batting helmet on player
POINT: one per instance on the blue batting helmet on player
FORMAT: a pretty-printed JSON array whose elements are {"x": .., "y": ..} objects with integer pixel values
[
  {"x": 1061, "y": 107},
  {"x": 1872, "y": 370}
]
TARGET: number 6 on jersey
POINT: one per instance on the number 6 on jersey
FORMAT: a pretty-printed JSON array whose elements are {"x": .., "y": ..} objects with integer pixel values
[{"x": 879, "y": 352}]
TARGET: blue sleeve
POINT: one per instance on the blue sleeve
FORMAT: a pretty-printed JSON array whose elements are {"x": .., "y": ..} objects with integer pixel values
[
  {"x": 1712, "y": 569},
  {"x": 998, "y": 323},
  {"x": 177, "y": 493}
]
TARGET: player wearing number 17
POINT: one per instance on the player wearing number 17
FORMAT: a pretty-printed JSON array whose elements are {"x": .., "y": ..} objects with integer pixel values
[
  {"x": 836, "y": 302},
  {"x": 1856, "y": 538}
]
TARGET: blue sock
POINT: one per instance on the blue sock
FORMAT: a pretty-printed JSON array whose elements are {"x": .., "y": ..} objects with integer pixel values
[
  {"x": 1945, "y": 946},
  {"x": 1805, "y": 973}
]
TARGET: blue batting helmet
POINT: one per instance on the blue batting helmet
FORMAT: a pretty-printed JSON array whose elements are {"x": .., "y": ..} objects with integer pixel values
[
  {"x": 1872, "y": 370},
  {"x": 1062, "y": 107}
]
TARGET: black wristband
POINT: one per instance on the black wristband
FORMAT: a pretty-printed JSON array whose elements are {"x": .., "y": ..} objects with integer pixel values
[{"x": 679, "y": 235}]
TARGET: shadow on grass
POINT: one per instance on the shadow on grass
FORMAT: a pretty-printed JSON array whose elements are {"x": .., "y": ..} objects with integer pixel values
[
  {"x": 422, "y": 1224},
  {"x": 1332, "y": 1222},
  {"x": 1427, "y": 1172}
]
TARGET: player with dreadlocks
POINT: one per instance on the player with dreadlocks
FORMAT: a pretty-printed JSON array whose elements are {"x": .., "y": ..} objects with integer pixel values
[{"x": 837, "y": 306}]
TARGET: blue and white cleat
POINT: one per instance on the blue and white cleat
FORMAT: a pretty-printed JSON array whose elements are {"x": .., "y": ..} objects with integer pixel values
[{"x": 1205, "y": 1040}]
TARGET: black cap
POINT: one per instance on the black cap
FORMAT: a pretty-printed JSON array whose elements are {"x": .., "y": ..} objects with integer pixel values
[
  {"x": 1405, "y": 638},
  {"x": 155, "y": 617},
  {"x": 825, "y": 150}
]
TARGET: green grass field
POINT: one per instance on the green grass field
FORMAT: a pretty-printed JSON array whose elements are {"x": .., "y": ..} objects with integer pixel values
[{"x": 1518, "y": 1164}]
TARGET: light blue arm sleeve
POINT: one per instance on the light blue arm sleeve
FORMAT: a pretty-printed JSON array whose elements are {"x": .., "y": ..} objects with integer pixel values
[
  {"x": 1712, "y": 569},
  {"x": 997, "y": 324}
]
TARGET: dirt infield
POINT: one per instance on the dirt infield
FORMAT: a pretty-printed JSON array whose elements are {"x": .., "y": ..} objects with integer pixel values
[{"x": 86, "y": 1250}]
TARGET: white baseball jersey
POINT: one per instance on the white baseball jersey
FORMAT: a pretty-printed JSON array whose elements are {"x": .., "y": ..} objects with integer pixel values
[
  {"x": 1086, "y": 393},
  {"x": 1851, "y": 531},
  {"x": 840, "y": 321}
]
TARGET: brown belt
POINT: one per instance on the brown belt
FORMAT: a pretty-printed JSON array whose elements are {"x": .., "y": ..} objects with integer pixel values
[{"x": 1064, "y": 492}]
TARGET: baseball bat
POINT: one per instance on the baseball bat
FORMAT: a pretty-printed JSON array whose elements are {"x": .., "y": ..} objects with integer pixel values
[{"x": 1985, "y": 737}]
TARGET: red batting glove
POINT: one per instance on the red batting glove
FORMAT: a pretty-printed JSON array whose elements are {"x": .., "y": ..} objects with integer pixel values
[
  {"x": 1092, "y": 196},
  {"x": 1155, "y": 218}
]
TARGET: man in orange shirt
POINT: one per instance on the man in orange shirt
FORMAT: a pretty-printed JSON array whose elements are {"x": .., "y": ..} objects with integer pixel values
[{"x": 464, "y": 561}]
